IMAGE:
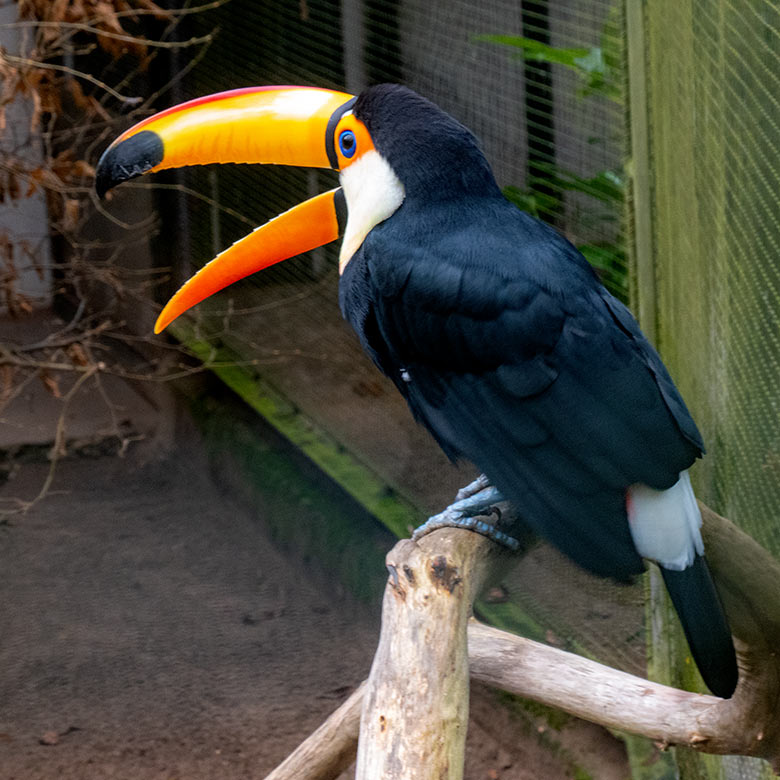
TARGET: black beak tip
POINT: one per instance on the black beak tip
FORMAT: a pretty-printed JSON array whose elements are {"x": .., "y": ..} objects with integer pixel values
[{"x": 128, "y": 159}]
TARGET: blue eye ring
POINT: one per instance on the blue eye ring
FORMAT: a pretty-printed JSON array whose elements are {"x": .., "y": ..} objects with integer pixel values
[{"x": 347, "y": 143}]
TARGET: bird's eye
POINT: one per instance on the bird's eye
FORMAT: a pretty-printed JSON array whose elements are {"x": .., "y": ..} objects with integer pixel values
[{"x": 347, "y": 143}]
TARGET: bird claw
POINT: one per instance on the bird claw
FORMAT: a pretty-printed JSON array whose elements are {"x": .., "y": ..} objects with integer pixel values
[
  {"x": 443, "y": 520},
  {"x": 478, "y": 485},
  {"x": 464, "y": 512}
]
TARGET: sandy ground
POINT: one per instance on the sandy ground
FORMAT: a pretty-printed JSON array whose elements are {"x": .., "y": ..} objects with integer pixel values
[
  {"x": 153, "y": 628},
  {"x": 150, "y": 628}
]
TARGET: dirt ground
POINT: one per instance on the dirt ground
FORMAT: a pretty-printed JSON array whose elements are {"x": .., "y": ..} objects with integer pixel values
[{"x": 150, "y": 629}]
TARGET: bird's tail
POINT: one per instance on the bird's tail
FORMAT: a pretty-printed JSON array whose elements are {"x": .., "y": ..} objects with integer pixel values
[
  {"x": 698, "y": 606},
  {"x": 665, "y": 526}
]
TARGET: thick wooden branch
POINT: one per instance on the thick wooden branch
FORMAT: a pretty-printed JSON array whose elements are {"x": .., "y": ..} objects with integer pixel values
[
  {"x": 748, "y": 579},
  {"x": 419, "y": 679},
  {"x": 618, "y": 700},
  {"x": 415, "y": 711}
]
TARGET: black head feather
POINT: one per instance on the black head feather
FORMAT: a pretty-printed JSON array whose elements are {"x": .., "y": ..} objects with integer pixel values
[{"x": 432, "y": 154}]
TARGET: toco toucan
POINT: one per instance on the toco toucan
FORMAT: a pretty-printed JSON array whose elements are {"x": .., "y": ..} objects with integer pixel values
[{"x": 493, "y": 327}]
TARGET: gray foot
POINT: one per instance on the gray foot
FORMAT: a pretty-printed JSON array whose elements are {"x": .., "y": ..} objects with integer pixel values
[
  {"x": 479, "y": 484},
  {"x": 477, "y": 498}
]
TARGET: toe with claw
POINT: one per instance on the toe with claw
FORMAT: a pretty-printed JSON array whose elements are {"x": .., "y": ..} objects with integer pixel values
[{"x": 477, "y": 498}]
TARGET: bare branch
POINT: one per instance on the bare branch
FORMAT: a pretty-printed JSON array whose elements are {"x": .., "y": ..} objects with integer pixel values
[
  {"x": 33, "y": 63},
  {"x": 172, "y": 12},
  {"x": 747, "y": 724},
  {"x": 102, "y": 33},
  {"x": 415, "y": 711},
  {"x": 603, "y": 695},
  {"x": 60, "y": 341},
  {"x": 46, "y": 74},
  {"x": 180, "y": 75},
  {"x": 18, "y": 505},
  {"x": 330, "y": 749},
  {"x": 157, "y": 186}
]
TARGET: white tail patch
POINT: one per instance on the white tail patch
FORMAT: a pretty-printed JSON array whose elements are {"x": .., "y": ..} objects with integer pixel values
[{"x": 665, "y": 523}]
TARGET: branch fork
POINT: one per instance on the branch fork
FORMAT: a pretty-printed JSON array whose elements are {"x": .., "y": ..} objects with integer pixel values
[{"x": 414, "y": 705}]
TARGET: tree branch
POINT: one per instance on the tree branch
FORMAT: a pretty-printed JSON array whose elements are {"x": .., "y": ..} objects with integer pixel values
[
  {"x": 330, "y": 749},
  {"x": 33, "y": 63},
  {"x": 414, "y": 714},
  {"x": 415, "y": 710},
  {"x": 100, "y": 32},
  {"x": 612, "y": 698}
]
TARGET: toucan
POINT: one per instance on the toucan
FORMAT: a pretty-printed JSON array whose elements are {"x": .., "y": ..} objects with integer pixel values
[{"x": 491, "y": 324}]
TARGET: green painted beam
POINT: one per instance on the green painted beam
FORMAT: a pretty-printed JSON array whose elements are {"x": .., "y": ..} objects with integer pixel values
[
  {"x": 355, "y": 477},
  {"x": 303, "y": 510}
]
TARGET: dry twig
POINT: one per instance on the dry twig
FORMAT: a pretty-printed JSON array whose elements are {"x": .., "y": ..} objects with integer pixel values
[{"x": 71, "y": 111}]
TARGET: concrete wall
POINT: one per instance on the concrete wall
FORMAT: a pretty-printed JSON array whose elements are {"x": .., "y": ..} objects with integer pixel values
[{"x": 24, "y": 221}]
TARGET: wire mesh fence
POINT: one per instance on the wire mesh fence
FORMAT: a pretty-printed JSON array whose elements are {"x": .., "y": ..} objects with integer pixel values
[
  {"x": 542, "y": 84},
  {"x": 713, "y": 116},
  {"x": 551, "y": 123}
]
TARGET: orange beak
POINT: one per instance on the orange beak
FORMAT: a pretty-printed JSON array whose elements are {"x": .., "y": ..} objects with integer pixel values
[{"x": 302, "y": 126}]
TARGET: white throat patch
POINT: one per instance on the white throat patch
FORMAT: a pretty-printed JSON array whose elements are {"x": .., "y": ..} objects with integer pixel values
[{"x": 373, "y": 193}]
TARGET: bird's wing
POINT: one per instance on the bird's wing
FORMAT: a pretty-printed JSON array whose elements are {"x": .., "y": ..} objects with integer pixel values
[
  {"x": 626, "y": 322},
  {"x": 543, "y": 389}
]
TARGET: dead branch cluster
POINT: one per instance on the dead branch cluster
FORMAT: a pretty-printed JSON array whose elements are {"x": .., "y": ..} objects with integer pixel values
[
  {"x": 74, "y": 112},
  {"x": 75, "y": 78},
  {"x": 45, "y": 75}
]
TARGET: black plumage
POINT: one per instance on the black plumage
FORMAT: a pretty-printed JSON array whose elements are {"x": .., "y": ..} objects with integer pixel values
[
  {"x": 511, "y": 352},
  {"x": 519, "y": 360}
]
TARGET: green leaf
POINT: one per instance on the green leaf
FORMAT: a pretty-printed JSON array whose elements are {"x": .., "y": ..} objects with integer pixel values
[
  {"x": 592, "y": 62},
  {"x": 607, "y": 186},
  {"x": 597, "y": 66},
  {"x": 537, "y": 204},
  {"x": 610, "y": 262},
  {"x": 540, "y": 52}
]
